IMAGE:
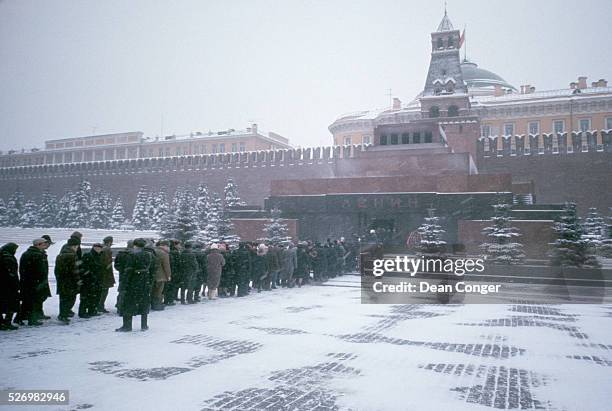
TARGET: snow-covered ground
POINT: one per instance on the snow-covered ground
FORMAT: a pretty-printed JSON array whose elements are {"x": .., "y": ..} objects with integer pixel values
[{"x": 318, "y": 347}]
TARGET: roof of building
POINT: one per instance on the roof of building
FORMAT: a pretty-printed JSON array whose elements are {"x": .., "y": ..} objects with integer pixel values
[
  {"x": 445, "y": 24},
  {"x": 476, "y": 77}
]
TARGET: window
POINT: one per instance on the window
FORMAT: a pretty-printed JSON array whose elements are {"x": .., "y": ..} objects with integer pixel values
[
  {"x": 440, "y": 43},
  {"x": 558, "y": 126},
  {"x": 534, "y": 127},
  {"x": 78, "y": 156},
  {"x": 450, "y": 42},
  {"x": 485, "y": 131},
  {"x": 453, "y": 111},
  {"x": 394, "y": 139},
  {"x": 405, "y": 138},
  {"x": 214, "y": 148},
  {"x": 348, "y": 141},
  {"x": 222, "y": 148},
  {"x": 234, "y": 147},
  {"x": 585, "y": 124},
  {"x": 178, "y": 151},
  {"x": 98, "y": 155},
  {"x": 416, "y": 138},
  {"x": 450, "y": 87},
  {"x": 242, "y": 147},
  {"x": 68, "y": 157},
  {"x": 161, "y": 152},
  {"x": 509, "y": 129},
  {"x": 609, "y": 123},
  {"x": 383, "y": 140},
  {"x": 434, "y": 111},
  {"x": 428, "y": 136},
  {"x": 204, "y": 149},
  {"x": 367, "y": 140}
]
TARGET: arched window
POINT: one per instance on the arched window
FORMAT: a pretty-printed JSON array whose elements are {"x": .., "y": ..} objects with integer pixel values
[
  {"x": 434, "y": 111},
  {"x": 450, "y": 87},
  {"x": 453, "y": 111},
  {"x": 439, "y": 43},
  {"x": 450, "y": 42}
]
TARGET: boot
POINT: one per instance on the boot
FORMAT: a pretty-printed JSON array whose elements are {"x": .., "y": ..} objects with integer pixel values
[
  {"x": 189, "y": 297},
  {"x": 143, "y": 322},
  {"x": 127, "y": 324}
]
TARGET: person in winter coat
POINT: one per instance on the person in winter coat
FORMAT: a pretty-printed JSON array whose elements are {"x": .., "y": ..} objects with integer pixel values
[
  {"x": 200, "y": 280},
  {"x": 171, "y": 288},
  {"x": 93, "y": 271},
  {"x": 303, "y": 265},
  {"x": 242, "y": 269},
  {"x": 34, "y": 274},
  {"x": 163, "y": 274},
  {"x": 260, "y": 268},
  {"x": 190, "y": 268},
  {"x": 215, "y": 263},
  {"x": 139, "y": 280},
  {"x": 67, "y": 279},
  {"x": 108, "y": 277},
  {"x": 9, "y": 286},
  {"x": 121, "y": 265},
  {"x": 273, "y": 259}
]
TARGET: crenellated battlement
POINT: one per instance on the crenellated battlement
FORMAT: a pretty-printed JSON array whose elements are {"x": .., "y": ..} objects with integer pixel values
[
  {"x": 200, "y": 162},
  {"x": 591, "y": 141}
]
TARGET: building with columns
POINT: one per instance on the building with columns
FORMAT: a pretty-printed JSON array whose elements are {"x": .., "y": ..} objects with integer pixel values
[
  {"x": 134, "y": 145},
  {"x": 501, "y": 109}
]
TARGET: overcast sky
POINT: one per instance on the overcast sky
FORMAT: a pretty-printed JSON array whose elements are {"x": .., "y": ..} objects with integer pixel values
[{"x": 69, "y": 68}]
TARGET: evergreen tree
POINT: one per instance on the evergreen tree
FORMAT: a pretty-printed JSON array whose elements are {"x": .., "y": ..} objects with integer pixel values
[
  {"x": 230, "y": 195},
  {"x": 79, "y": 212},
  {"x": 14, "y": 207},
  {"x": 501, "y": 247},
  {"x": 210, "y": 232},
  {"x": 180, "y": 223},
  {"x": 276, "y": 230},
  {"x": 159, "y": 209},
  {"x": 118, "y": 215},
  {"x": 225, "y": 228},
  {"x": 63, "y": 210},
  {"x": 140, "y": 214},
  {"x": 606, "y": 244},
  {"x": 202, "y": 206},
  {"x": 3, "y": 214},
  {"x": 570, "y": 249},
  {"x": 48, "y": 211},
  {"x": 98, "y": 213},
  {"x": 30, "y": 216},
  {"x": 594, "y": 228},
  {"x": 431, "y": 233}
]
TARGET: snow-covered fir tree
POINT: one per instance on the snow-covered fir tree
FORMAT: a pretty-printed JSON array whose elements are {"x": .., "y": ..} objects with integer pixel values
[
  {"x": 225, "y": 228},
  {"x": 594, "y": 228},
  {"x": 605, "y": 249},
  {"x": 48, "y": 210},
  {"x": 3, "y": 215},
  {"x": 159, "y": 209},
  {"x": 502, "y": 247},
  {"x": 14, "y": 207},
  {"x": 63, "y": 210},
  {"x": 210, "y": 232},
  {"x": 79, "y": 212},
  {"x": 180, "y": 223},
  {"x": 98, "y": 212},
  {"x": 431, "y": 233},
  {"x": 570, "y": 249},
  {"x": 202, "y": 206},
  {"x": 30, "y": 216},
  {"x": 140, "y": 214},
  {"x": 276, "y": 230},
  {"x": 117, "y": 218},
  {"x": 230, "y": 195}
]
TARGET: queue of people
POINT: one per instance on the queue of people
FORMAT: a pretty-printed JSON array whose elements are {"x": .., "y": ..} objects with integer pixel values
[{"x": 154, "y": 275}]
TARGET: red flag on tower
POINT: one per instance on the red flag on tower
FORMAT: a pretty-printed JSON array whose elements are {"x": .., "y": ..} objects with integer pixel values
[{"x": 462, "y": 38}]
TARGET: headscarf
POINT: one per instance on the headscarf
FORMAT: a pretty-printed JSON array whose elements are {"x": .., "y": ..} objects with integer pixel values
[{"x": 11, "y": 248}]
